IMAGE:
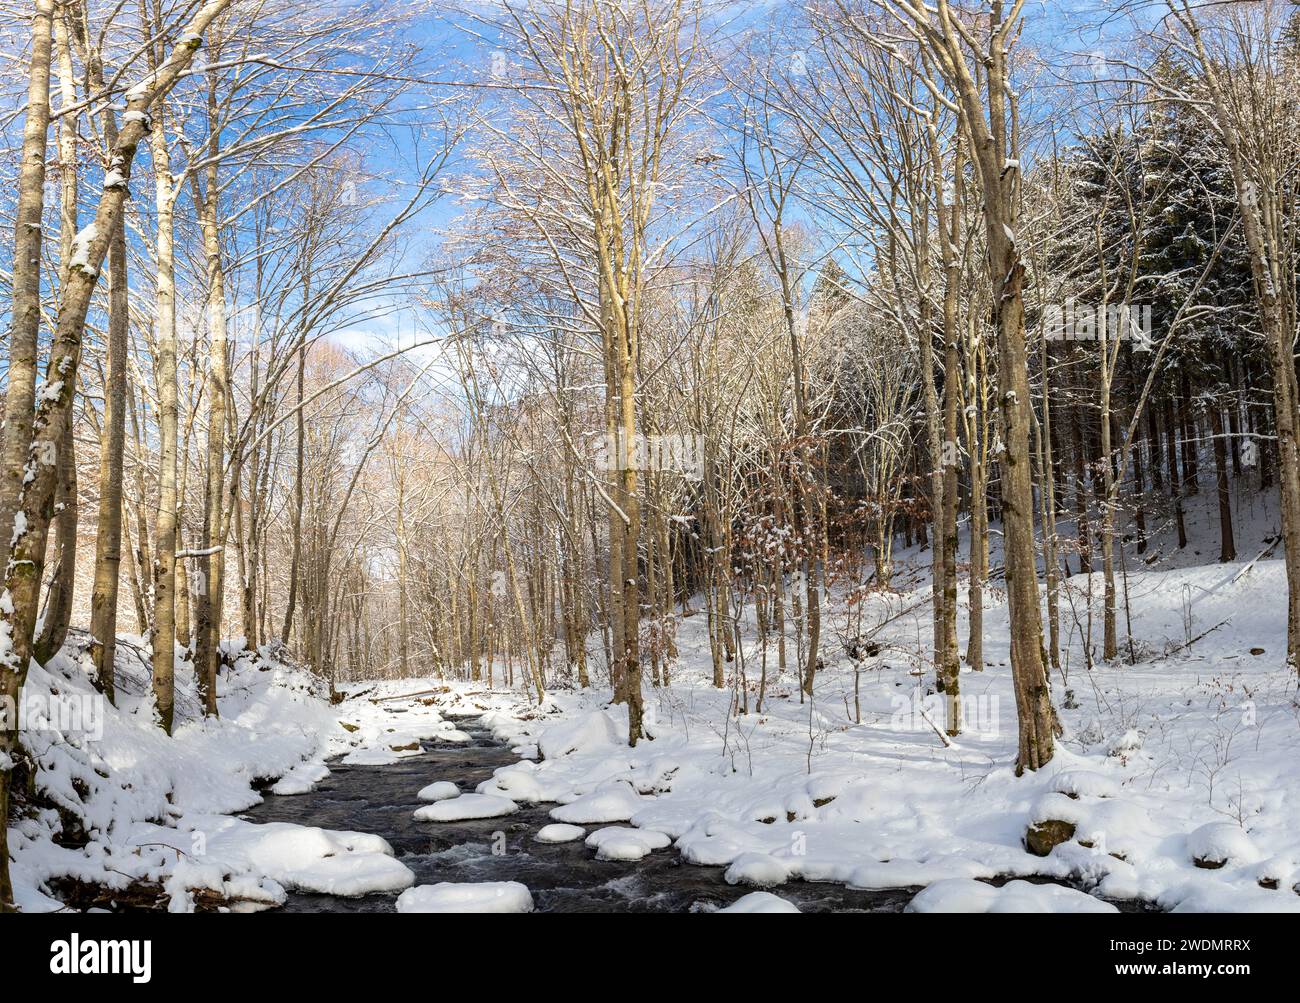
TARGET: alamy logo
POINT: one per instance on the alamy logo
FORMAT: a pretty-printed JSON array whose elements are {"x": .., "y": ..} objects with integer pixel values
[
  {"x": 103, "y": 957},
  {"x": 676, "y": 454},
  {"x": 67, "y": 713},
  {"x": 979, "y": 714},
  {"x": 1112, "y": 322}
]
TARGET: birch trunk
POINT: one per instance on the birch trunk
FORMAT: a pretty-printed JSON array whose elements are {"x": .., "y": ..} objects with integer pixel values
[
  {"x": 163, "y": 634},
  {"x": 25, "y": 310}
]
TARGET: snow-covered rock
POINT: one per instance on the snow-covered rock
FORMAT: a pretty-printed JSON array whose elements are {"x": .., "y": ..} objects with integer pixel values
[
  {"x": 377, "y": 757},
  {"x": 761, "y": 902},
  {"x": 484, "y": 896},
  {"x": 441, "y": 790},
  {"x": 300, "y": 858},
  {"x": 522, "y": 781},
  {"x": 1219, "y": 843},
  {"x": 760, "y": 870},
  {"x": 301, "y": 779},
  {"x": 587, "y": 733},
  {"x": 465, "y": 807},
  {"x": 965, "y": 895},
  {"x": 615, "y": 802},
  {"x": 558, "y": 832},
  {"x": 621, "y": 843},
  {"x": 1085, "y": 783}
]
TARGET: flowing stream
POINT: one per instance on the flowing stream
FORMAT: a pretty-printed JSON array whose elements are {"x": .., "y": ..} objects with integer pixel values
[{"x": 564, "y": 877}]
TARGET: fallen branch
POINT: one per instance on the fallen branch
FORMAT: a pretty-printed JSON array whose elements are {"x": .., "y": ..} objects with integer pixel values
[
  {"x": 947, "y": 742},
  {"x": 1203, "y": 634},
  {"x": 410, "y": 696},
  {"x": 1258, "y": 557}
]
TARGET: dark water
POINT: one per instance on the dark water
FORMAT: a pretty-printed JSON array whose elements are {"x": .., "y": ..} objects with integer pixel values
[{"x": 562, "y": 878}]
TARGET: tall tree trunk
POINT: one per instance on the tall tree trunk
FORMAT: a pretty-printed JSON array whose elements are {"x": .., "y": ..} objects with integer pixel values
[
  {"x": 295, "y": 561},
  {"x": 211, "y": 561},
  {"x": 20, "y": 389},
  {"x": 183, "y": 573},
  {"x": 141, "y": 566},
  {"x": 1110, "y": 639},
  {"x": 163, "y": 635},
  {"x": 950, "y": 663},
  {"x": 58, "y": 602},
  {"x": 1175, "y": 483},
  {"x": 949, "y": 459},
  {"x": 993, "y": 150},
  {"x": 25, "y": 310},
  {"x": 403, "y": 620},
  {"x": 112, "y": 447},
  {"x": 1050, "y": 506},
  {"x": 1227, "y": 546}
]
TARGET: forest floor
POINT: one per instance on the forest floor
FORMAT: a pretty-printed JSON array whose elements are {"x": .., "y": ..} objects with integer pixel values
[
  {"x": 1188, "y": 755},
  {"x": 1176, "y": 782}
]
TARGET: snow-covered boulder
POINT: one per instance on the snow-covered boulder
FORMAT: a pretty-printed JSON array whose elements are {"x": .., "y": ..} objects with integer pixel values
[
  {"x": 1084, "y": 784},
  {"x": 760, "y": 870},
  {"x": 558, "y": 832},
  {"x": 482, "y": 896},
  {"x": 761, "y": 902},
  {"x": 963, "y": 895},
  {"x": 614, "y": 802},
  {"x": 465, "y": 807},
  {"x": 522, "y": 781},
  {"x": 301, "y": 779},
  {"x": 1219, "y": 843},
  {"x": 620, "y": 843},
  {"x": 441, "y": 790},
  {"x": 297, "y": 857},
  {"x": 587, "y": 733},
  {"x": 1052, "y": 821}
]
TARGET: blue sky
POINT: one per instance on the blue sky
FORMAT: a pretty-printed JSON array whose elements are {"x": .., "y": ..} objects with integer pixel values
[
  {"x": 1061, "y": 28},
  {"x": 1065, "y": 32}
]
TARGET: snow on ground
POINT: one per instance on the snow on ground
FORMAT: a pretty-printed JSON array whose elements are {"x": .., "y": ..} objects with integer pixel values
[
  {"x": 1175, "y": 782},
  {"x": 116, "y": 801}
]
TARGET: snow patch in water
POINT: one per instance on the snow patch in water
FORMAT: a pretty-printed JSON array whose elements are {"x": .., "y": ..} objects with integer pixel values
[
  {"x": 558, "y": 832},
  {"x": 621, "y": 843},
  {"x": 761, "y": 902},
  {"x": 441, "y": 790},
  {"x": 465, "y": 808},
  {"x": 482, "y": 896}
]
